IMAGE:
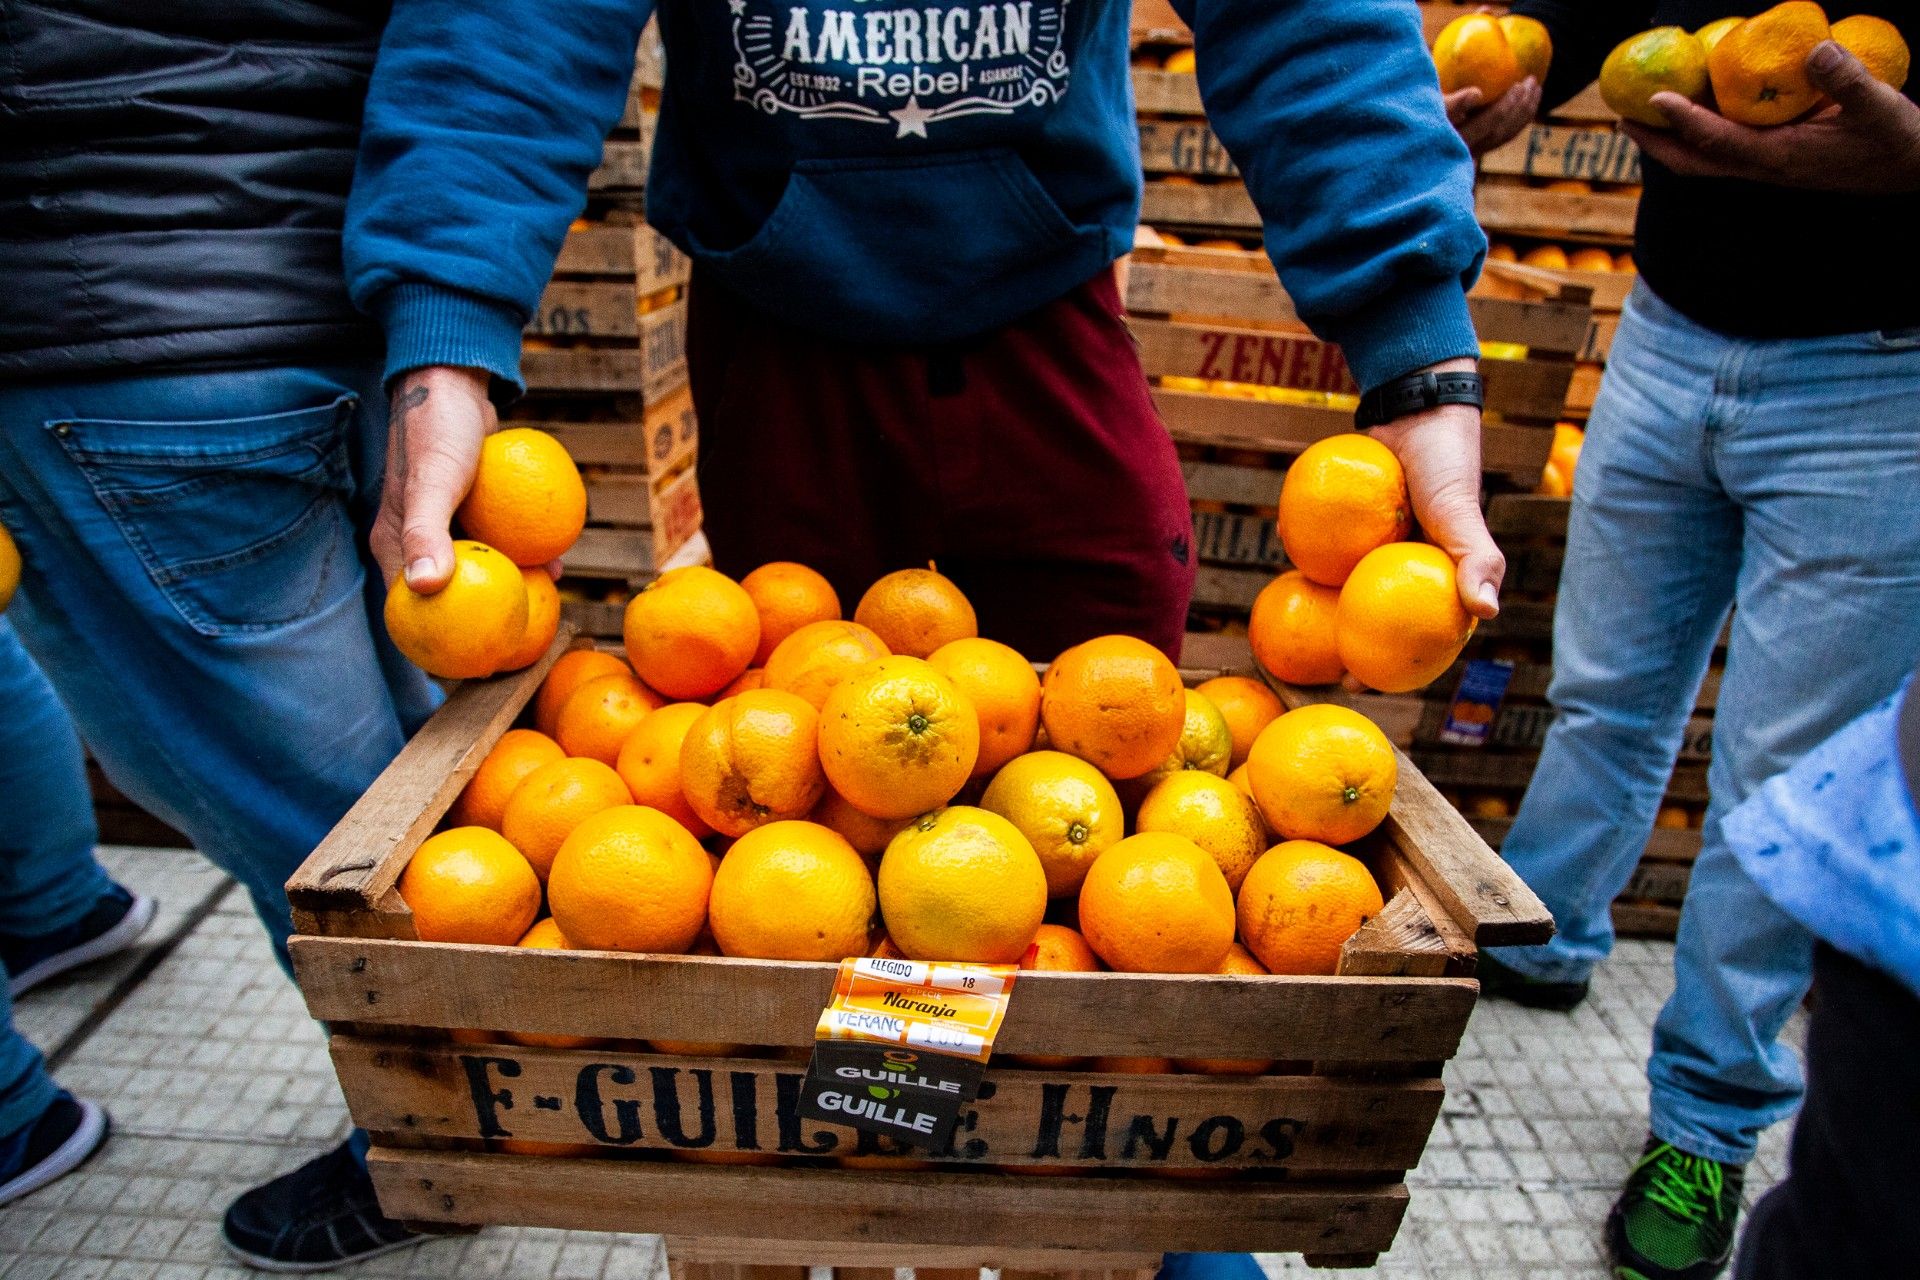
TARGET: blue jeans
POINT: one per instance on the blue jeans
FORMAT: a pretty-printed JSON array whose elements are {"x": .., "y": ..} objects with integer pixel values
[
  {"x": 48, "y": 875},
  {"x": 1779, "y": 477},
  {"x": 197, "y": 587}
]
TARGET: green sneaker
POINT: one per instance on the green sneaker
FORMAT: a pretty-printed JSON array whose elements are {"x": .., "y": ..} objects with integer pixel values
[{"x": 1674, "y": 1219}]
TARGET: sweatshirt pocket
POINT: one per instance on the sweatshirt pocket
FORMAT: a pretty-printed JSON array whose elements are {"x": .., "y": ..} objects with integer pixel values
[{"x": 903, "y": 251}]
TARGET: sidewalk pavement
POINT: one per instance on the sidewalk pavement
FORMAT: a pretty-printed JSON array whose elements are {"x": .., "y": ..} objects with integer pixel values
[{"x": 217, "y": 1080}]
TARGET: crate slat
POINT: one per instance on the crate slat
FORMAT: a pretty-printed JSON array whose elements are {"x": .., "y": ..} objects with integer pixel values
[
  {"x": 640, "y": 1102},
  {"x": 864, "y": 1260},
  {"x": 1225, "y": 205},
  {"x": 571, "y": 309},
  {"x": 1519, "y": 210},
  {"x": 1184, "y": 146},
  {"x": 834, "y": 1205},
  {"x": 610, "y": 553},
  {"x": 1567, "y": 151},
  {"x": 1172, "y": 93}
]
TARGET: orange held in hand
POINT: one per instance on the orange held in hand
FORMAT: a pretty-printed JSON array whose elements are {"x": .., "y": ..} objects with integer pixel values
[
  {"x": 897, "y": 739},
  {"x": 1300, "y": 904},
  {"x": 468, "y": 884},
  {"x": 752, "y": 759},
  {"x": 527, "y": 498},
  {"x": 1665, "y": 59},
  {"x": 1879, "y": 46},
  {"x": 649, "y": 763},
  {"x": 962, "y": 884},
  {"x": 573, "y": 669},
  {"x": 787, "y": 596},
  {"x": 598, "y": 716},
  {"x": 1472, "y": 52},
  {"x": 555, "y": 798},
  {"x": 470, "y": 628},
  {"x": 1401, "y": 622},
  {"x": 1004, "y": 690},
  {"x": 631, "y": 879},
  {"x": 1156, "y": 903},
  {"x": 1116, "y": 702},
  {"x": 792, "y": 891},
  {"x": 915, "y": 611},
  {"x": 1531, "y": 43},
  {"x": 815, "y": 659},
  {"x": 691, "y": 632},
  {"x": 1759, "y": 69},
  {"x": 1293, "y": 630},
  {"x": 1323, "y": 772},
  {"x": 518, "y": 753},
  {"x": 1343, "y": 496}
]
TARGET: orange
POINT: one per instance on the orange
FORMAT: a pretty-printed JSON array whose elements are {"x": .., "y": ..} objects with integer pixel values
[
  {"x": 1343, "y": 496},
  {"x": 527, "y": 497},
  {"x": 1554, "y": 482},
  {"x": 787, "y": 597},
  {"x": 573, "y": 669},
  {"x": 1625, "y": 265},
  {"x": 1004, "y": 690},
  {"x": 1157, "y": 903},
  {"x": 1323, "y": 772},
  {"x": 543, "y": 619},
  {"x": 1878, "y": 44},
  {"x": 1673, "y": 817},
  {"x": 484, "y": 799},
  {"x": 962, "y": 884},
  {"x": 1292, "y": 630},
  {"x": 1300, "y": 904},
  {"x": 751, "y": 678},
  {"x": 1590, "y": 260},
  {"x": 468, "y": 884},
  {"x": 1180, "y": 60},
  {"x": 691, "y": 632},
  {"x": 868, "y": 835},
  {"x": 792, "y": 891},
  {"x": 1056, "y": 949},
  {"x": 1133, "y": 1066},
  {"x": 1571, "y": 186},
  {"x": 1531, "y": 44},
  {"x": 1501, "y": 251},
  {"x": 551, "y": 1150},
  {"x": 1489, "y": 807},
  {"x": 1550, "y": 256},
  {"x": 1472, "y": 52},
  {"x": 546, "y": 936},
  {"x": 1567, "y": 441},
  {"x": 1116, "y": 702},
  {"x": 752, "y": 759},
  {"x": 469, "y": 628},
  {"x": 649, "y": 763},
  {"x": 1710, "y": 35},
  {"x": 9, "y": 568},
  {"x": 1068, "y": 812},
  {"x": 815, "y": 659},
  {"x": 1240, "y": 963},
  {"x": 897, "y": 739},
  {"x": 554, "y": 799},
  {"x": 598, "y": 716},
  {"x": 1669, "y": 59},
  {"x": 1239, "y": 779},
  {"x": 1206, "y": 743},
  {"x": 1211, "y": 812},
  {"x": 1401, "y": 622},
  {"x": 1248, "y": 706},
  {"x": 915, "y": 611},
  {"x": 631, "y": 879},
  {"x": 1759, "y": 69}
]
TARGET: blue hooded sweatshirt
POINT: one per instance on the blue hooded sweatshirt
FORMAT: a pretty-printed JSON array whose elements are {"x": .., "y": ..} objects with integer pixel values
[{"x": 901, "y": 171}]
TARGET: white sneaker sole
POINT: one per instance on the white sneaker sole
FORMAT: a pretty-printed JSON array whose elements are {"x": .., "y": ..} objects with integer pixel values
[
  {"x": 275, "y": 1267},
  {"x": 114, "y": 940},
  {"x": 67, "y": 1157}
]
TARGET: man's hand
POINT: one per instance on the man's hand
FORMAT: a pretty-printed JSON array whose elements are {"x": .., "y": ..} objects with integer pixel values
[
  {"x": 1440, "y": 450},
  {"x": 440, "y": 416},
  {"x": 1867, "y": 142},
  {"x": 1483, "y": 126}
]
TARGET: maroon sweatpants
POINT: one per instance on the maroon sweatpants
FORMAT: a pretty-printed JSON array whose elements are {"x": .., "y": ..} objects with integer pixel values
[{"x": 1028, "y": 463}]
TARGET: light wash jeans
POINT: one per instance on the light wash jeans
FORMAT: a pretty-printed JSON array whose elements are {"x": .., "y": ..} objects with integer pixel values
[
  {"x": 48, "y": 875},
  {"x": 198, "y": 589},
  {"x": 1781, "y": 477}
]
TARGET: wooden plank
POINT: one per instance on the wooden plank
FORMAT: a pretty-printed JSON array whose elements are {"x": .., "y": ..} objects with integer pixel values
[
  {"x": 1223, "y": 537},
  {"x": 1233, "y": 354},
  {"x": 361, "y": 858},
  {"x": 677, "y": 514},
  {"x": 1594, "y": 154},
  {"x": 1599, "y": 340},
  {"x": 1060, "y": 1119},
  {"x": 1175, "y": 93},
  {"x": 597, "y": 250},
  {"x": 625, "y": 500},
  {"x": 610, "y": 553},
  {"x": 1545, "y": 326},
  {"x": 920, "y": 1208},
  {"x": 1586, "y": 106},
  {"x": 853, "y": 1256},
  {"x": 1240, "y": 486},
  {"x": 623, "y": 165},
  {"x": 1401, "y": 940},
  {"x": 1222, "y": 651},
  {"x": 1222, "y": 587},
  {"x": 663, "y": 343},
  {"x": 778, "y": 1002},
  {"x": 1646, "y": 920},
  {"x": 1608, "y": 289},
  {"x": 597, "y": 369},
  {"x": 1519, "y": 210},
  {"x": 571, "y": 309},
  {"x": 1656, "y": 881},
  {"x": 594, "y": 617},
  {"x": 1527, "y": 515},
  {"x": 1183, "y": 146},
  {"x": 1223, "y": 205}
]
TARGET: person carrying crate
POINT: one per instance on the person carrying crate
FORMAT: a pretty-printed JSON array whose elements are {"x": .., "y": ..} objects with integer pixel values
[{"x": 1754, "y": 446}]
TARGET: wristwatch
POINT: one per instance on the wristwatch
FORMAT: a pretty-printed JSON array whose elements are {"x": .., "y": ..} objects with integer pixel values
[{"x": 1416, "y": 392}]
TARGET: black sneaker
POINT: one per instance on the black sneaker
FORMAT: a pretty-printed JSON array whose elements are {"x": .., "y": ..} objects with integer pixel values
[
  {"x": 68, "y": 1132},
  {"x": 321, "y": 1216},
  {"x": 1674, "y": 1219},
  {"x": 114, "y": 924},
  {"x": 1501, "y": 983}
]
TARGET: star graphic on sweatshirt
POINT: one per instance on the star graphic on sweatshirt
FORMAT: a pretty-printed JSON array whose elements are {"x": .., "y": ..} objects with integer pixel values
[
  {"x": 736, "y": 7},
  {"x": 913, "y": 118}
]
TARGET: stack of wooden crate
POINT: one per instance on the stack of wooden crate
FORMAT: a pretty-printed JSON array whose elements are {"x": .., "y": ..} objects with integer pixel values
[{"x": 605, "y": 366}]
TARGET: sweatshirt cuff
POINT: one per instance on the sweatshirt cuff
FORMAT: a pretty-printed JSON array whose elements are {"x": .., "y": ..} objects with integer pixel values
[
  {"x": 427, "y": 324},
  {"x": 1414, "y": 326}
]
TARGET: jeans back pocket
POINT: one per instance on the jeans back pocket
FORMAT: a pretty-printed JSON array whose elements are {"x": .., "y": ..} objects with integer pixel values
[{"x": 243, "y": 524}]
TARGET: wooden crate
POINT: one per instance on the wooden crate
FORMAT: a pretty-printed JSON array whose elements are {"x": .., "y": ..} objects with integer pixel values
[
  {"x": 1510, "y": 207},
  {"x": 1310, "y": 1158}
]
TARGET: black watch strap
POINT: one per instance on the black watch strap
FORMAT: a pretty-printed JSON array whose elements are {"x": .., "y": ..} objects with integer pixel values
[{"x": 1416, "y": 392}]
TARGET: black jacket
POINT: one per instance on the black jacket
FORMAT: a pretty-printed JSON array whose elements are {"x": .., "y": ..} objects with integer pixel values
[{"x": 173, "y": 176}]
